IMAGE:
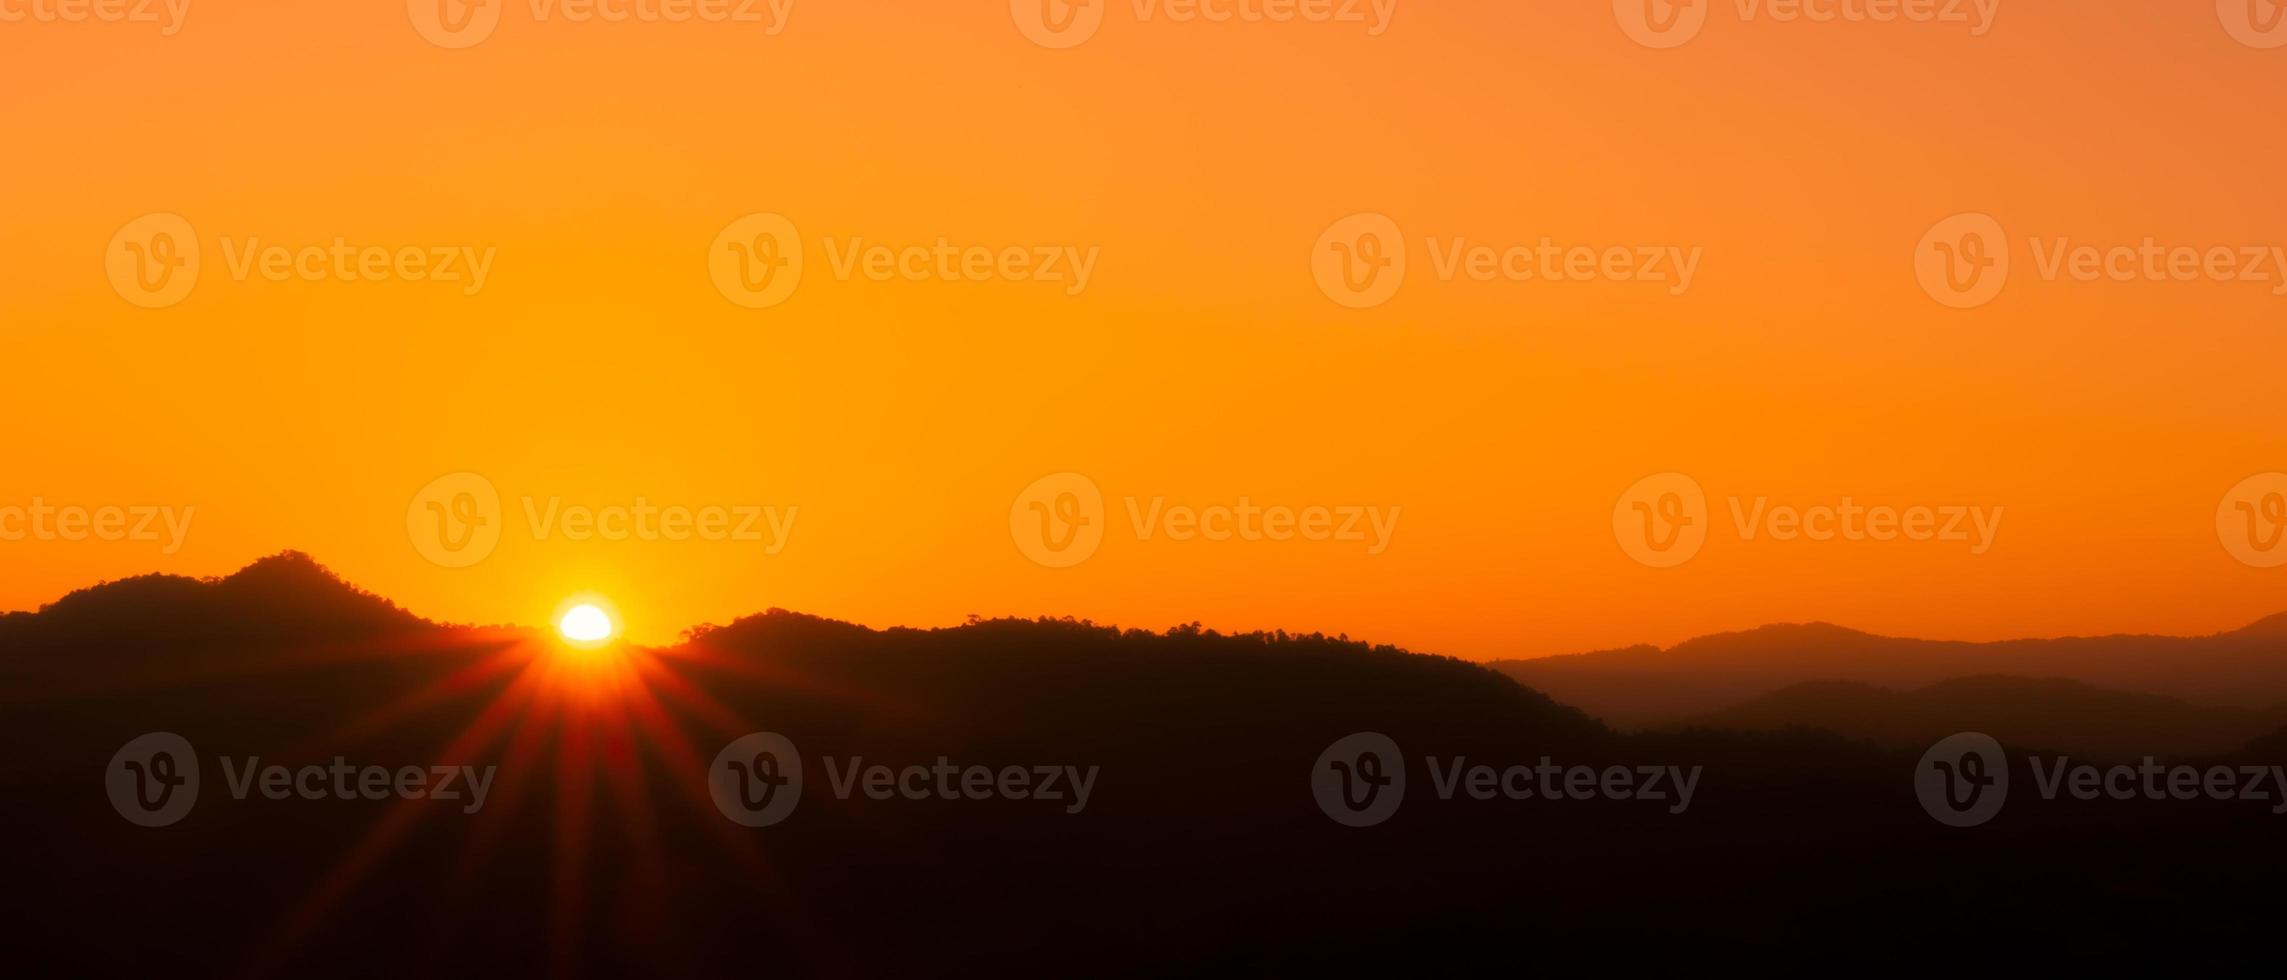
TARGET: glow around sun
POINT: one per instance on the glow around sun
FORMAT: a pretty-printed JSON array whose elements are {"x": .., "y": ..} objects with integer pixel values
[{"x": 586, "y": 624}]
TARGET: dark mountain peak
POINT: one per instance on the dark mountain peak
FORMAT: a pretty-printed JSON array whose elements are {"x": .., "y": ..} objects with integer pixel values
[
  {"x": 290, "y": 567},
  {"x": 2267, "y": 627},
  {"x": 1780, "y": 636},
  {"x": 775, "y": 627},
  {"x": 289, "y": 594},
  {"x": 1815, "y": 630}
]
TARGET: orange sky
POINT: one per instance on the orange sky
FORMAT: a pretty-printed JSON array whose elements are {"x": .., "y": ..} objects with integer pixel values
[{"x": 1201, "y": 364}]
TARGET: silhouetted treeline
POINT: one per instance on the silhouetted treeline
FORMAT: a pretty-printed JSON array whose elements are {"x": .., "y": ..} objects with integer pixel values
[{"x": 1201, "y": 845}]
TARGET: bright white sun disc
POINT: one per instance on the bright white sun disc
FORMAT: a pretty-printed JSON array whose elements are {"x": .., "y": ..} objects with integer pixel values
[{"x": 585, "y": 623}]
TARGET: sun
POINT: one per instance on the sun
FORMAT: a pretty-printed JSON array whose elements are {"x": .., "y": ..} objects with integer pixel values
[{"x": 586, "y": 625}]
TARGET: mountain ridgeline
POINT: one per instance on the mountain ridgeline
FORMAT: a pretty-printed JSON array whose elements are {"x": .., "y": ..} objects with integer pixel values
[
  {"x": 2236, "y": 679},
  {"x": 1004, "y": 797}
]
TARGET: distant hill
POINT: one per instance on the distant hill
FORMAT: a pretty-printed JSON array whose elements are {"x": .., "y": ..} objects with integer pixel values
[
  {"x": 2059, "y": 715},
  {"x": 157, "y": 629},
  {"x": 285, "y": 595},
  {"x": 1646, "y": 686},
  {"x": 2274, "y": 627}
]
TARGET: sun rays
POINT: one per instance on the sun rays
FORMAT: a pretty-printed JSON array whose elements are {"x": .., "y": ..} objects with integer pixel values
[{"x": 582, "y": 741}]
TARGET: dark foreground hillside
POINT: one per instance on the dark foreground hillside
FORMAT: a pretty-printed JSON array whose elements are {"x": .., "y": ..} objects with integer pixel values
[{"x": 600, "y": 848}]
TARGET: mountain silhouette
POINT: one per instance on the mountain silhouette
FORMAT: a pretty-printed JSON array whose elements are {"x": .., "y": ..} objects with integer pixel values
[
  {"x": 285, "y": 595},
  {"x": 1203, "y": 846},
  {"x": 2050, "y": 713},
  {"x": 1645, "y": 686},
  {"x": 2269, "y": 627}
]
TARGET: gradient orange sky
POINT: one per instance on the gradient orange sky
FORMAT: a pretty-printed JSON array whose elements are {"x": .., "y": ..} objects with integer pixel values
[{"x": 1202, "y": 364}]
